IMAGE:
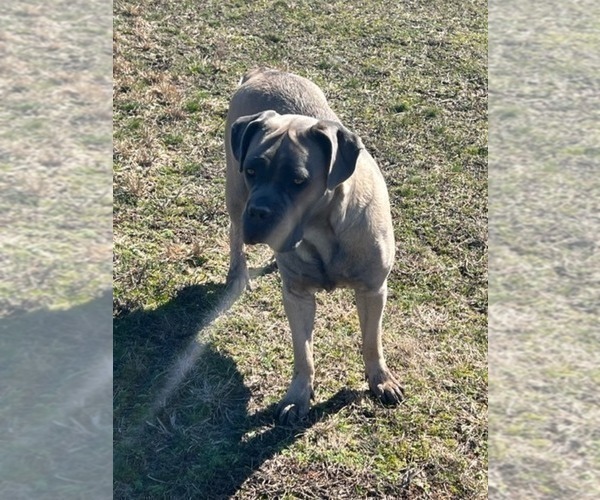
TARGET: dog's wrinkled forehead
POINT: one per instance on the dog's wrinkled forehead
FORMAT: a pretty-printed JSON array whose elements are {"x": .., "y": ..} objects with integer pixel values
[
  {"x": 284, "y": 139},
  {"x": 293, "y": 123}
]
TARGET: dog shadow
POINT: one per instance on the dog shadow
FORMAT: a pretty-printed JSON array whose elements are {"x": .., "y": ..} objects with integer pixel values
[
  {"x": 196, "y": 439},
  {"x": 56, "y": 392}
]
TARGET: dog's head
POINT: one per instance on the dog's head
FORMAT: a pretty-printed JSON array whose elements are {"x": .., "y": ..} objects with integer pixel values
[{"x": 291, "y": 165}]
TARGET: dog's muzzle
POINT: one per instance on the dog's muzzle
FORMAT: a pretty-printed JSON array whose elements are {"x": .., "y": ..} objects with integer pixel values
[{"x": 264, "y": 223}]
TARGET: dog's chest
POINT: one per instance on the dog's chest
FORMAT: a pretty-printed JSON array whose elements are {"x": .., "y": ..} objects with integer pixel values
[{"x": 310, "y": 267}]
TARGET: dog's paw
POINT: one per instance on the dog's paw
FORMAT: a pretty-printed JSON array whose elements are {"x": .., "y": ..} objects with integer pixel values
[
  {"x": 386, "y": 388},
  {"x": 291, "y": 413},
  {"x": 294, "y": 406}
]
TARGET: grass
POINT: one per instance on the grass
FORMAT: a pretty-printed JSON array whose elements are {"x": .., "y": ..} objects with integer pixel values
[
  {"x": 55, "y": 250},
  {"x": 54, "y": 202},
  {"x": 544, "y": 339},
  {"x": 195, "y": 385}
]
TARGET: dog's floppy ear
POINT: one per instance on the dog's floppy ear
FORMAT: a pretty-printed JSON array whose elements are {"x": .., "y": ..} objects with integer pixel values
[
  {"x": 342, "y": 148},
  {"x": 242, "y": 131}
]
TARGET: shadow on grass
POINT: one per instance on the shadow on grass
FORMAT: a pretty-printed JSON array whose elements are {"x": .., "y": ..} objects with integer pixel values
[
  {"x": 55, "y": 388},
  {"x": 200, "y": 440}
]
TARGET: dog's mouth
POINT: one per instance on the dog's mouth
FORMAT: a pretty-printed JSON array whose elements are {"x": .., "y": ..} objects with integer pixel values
[{"x": 279, "y": 237}]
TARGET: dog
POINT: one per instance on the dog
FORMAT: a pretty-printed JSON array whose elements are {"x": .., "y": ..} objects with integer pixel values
[{"x": 305, "y": 185}]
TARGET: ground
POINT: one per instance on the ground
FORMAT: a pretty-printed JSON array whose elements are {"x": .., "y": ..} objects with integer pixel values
[
  {"x": 195, "y": 386},
  {"x": 544, "y": 260},
  {"x": 55, "y": 250}
]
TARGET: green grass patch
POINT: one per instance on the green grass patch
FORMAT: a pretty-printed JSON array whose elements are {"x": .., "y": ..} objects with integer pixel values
[{"x": 421, "y": 110}]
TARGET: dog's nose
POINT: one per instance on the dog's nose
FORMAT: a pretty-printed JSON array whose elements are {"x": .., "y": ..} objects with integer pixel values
[{"x": 259, "y": 212}]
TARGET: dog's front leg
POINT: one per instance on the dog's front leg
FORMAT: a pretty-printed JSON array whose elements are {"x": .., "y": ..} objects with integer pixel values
[
  {"x": 237, "y": 277},
  {"x": 300, "y": 309},
  {"x": 383, "y": 384}
]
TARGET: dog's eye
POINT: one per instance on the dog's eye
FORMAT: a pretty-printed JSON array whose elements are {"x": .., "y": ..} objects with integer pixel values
[
  {"x": 299, "y": 181},
  {"x": 250, "y": 172}
]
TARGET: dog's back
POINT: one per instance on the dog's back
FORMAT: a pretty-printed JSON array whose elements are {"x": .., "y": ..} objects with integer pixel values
[{"x": 286, "y": 93}]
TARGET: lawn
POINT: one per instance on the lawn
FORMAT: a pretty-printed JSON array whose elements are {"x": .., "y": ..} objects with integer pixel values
[
  {"x": 55, "y": 250},
  {"x": 544, "y": 259},
  {"x": 196, "y": 382},
  {"x": 55, "y": 142}
]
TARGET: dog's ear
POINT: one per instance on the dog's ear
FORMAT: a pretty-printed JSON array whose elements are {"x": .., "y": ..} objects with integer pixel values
[
  {"x": 242, "y": 131},
  {"x": 342, "y": 148}
]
